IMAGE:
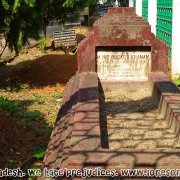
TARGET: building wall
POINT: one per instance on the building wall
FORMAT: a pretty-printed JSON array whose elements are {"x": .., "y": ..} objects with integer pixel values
[{"x": 163, "y": 17}]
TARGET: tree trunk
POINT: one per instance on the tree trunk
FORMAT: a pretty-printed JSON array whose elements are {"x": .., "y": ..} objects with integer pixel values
[{"x": 5, "y": 37}]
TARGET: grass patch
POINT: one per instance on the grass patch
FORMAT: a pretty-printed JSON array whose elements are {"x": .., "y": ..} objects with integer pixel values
[
  {"x": 9, "y": 106},
  {"x": 24, "y": 87},
  {"x": 177, "y": 79},
  {"x": 38, "y": 98},
  {"x": 35, "y": 111},
  {"x": 34, "y": 115}
]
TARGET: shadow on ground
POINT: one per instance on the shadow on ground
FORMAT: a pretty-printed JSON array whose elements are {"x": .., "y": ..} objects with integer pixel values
[
  {"x": 45, "y": 71},
  {"x": 23, "y": 133}
]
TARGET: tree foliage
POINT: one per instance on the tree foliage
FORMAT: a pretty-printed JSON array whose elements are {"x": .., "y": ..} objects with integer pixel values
[
  {"x": 57, "y": 9},
  {"x": 124, "y": 2},
  {"x": 21, "y": 19}
]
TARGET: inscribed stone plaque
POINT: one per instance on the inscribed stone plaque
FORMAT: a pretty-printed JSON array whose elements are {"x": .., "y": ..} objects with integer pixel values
[{"x": 123, "y": 65}]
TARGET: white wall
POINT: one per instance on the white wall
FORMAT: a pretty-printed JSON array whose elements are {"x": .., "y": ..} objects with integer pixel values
[
  {"x": 139, "y": 7},
  {"x": 152, "y": 14},
  {"x": 131, "y": 3},
  {"x": 176, "y": 38}
]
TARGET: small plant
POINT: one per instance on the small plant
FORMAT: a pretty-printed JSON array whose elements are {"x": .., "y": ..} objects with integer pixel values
[
  {"x": 38, "y": 98},
  {"x": 27, "y": 124},
  {"x": 48, "y": 129},
  {"x": 32, "y": 178},
  {"x": 24, "y": 87},
  {"x": 107, "y": 89},
  {"x": 8, "y": 89},
  {"x": 57, "y": 95},
  {"x": 8, "y": 106},
  {"x": 39, "y": 151},
  {"x": 177, "y": 79},
  {"x": 42, "y": 44},
  {"x": 39, "y": 154},
  {"x": 36, "y": 131},
  {"x": 11, "y": 161},
  {"x": 33, "y": 115}
]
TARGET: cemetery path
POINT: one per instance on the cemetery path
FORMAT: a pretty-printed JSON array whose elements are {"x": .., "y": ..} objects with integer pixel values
[{"x": 133, "y": 122}]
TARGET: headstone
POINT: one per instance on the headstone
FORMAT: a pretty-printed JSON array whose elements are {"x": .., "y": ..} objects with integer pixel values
[
  {"x": 122, "y": 48},
  {"x": 65, "y": 38},
  {"x": 123, "y": 65},
  {"x": 73, "y": 19},
  {"x": 85, "y": 13},
  {"x": 53, "y": 27}
]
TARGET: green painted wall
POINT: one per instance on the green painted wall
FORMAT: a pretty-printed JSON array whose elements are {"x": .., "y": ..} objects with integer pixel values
[
  {"x": 164, "y": 22},
  {"x": 145, "y": 9}
]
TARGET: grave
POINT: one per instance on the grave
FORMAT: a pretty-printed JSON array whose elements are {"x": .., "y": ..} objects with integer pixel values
[
  {"x": 52, "y": 27},
  {"x": 73, "y": 19},
  {"x": 120, "y": 110},
  {"x": 65, "y": 40},
  {"x": 84, "y": 16}
]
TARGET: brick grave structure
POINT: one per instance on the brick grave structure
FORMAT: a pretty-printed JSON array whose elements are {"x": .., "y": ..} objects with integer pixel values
[
  {"x": 76, "y": 141},
  {"x": 121, "y": 28}
]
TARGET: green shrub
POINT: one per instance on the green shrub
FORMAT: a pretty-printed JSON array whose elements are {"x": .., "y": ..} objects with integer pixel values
[
  {"x": 38, "y": 98},
  {"x": 42, "y": 44},
  {"x": 39, "y": 151},
  {"x": 8, "y": 106},
  {"x": 177, "y": 79},
  {"x": 33, "y": 115},
  {"x": 24, "y": 87}
]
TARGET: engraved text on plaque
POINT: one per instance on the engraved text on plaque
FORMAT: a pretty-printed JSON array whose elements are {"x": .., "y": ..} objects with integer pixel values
[{"x": 123, "y": 65}]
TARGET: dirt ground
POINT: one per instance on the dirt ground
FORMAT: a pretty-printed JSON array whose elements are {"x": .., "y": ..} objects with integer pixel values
[
  {"x": 35, "y": 85},
  {"x": 31, "y": 88}
]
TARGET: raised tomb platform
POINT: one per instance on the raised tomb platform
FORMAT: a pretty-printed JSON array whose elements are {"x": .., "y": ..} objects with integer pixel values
[{"x": 121, "y": 57}]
